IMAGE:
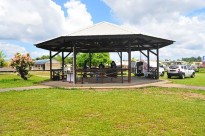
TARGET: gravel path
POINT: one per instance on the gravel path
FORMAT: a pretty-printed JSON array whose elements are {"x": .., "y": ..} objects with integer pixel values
[
  {"x": 165, "y": 84},
  {"x": 24, "y": 88}
]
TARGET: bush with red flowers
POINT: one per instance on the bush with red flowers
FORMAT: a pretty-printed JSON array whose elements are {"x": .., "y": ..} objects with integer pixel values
[{"x": 22, "y": 64}]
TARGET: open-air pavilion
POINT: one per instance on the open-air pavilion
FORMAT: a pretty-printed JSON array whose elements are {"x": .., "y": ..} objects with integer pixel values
[{"x": 103, "y": 37}]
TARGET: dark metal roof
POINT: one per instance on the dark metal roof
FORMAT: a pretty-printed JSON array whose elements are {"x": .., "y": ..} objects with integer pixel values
[{"x": 104, "y": 43}]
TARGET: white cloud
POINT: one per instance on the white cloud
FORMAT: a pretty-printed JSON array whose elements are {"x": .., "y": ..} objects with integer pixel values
[
  {"x": 78, "y": 17},
  {"x": 39, "y": 20},
  {"x": 32, "y": 21},
  {"x": 40, "y": 52},
  {"x": 10, "y": 49},
  {"x": 171, "y": 19}
]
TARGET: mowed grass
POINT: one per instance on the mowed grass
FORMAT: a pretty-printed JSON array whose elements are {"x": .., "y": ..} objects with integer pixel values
[
  {"x": 198, "y": 80},
  {"x": 41, "y": 73},
  {"x": 10, "y": 80},
  {"x": 146, "y": 111}
]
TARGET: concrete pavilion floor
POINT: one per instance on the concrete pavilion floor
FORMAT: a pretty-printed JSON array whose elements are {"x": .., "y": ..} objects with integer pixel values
[{"x": 105, "y": 83}]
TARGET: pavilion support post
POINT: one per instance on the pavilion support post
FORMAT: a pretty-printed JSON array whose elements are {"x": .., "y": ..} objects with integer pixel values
[
  {"x": 129, "y": 63},
  {"x": 63, "y": 64},
  {"x": 90, "y": 59},
  {"x": 157, "y": 62},
  {"x": 120, "y": 55},
  {"x": 50, "y": 56},
  {"x": 74, "y": 64},
  {"x": 121, "y": 66},
  {"x": 121, "y": 60},
  {"x": 148, "y": 61}
]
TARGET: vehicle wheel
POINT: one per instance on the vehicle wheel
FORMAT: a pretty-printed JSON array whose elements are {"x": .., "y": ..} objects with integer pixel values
[
  {"x": 192, "y": 75},
  {"x": 169, "y": 76},
  {"x": 182, "y": 76}
]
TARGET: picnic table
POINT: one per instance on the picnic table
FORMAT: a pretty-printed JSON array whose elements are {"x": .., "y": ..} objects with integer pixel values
[{"x": 100, "y": 74}]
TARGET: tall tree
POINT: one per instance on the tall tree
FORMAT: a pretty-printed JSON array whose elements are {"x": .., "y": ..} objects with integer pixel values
[
  {"x": 43, "y": 57},
  {"x": 96, "y": 59},
  {"x": 81, "y": 57},
  {"x": 192, "y": 59},
  {"x": 67, "y": 60},
  {"x": 2, "y": 59},
  {"x": 134, "y": 59}
]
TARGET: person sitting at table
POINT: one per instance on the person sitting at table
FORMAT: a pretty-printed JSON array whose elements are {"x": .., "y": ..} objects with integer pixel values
[
  {"x": 100, "y": 73},
  {"x": 85, "y": 68},
  {"x": 113, "y": 64},
  {"x": 113, "y": 73},
  {"x": 101, "y": 65}
]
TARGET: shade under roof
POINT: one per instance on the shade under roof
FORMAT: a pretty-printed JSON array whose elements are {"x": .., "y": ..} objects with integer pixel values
[{"x": 104, "y": 37}]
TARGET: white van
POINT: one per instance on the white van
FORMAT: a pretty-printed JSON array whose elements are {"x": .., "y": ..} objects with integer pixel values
[{"x": 141, "y": 69}]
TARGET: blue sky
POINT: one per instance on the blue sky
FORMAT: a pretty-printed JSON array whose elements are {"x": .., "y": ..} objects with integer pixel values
[{"x": 28, "y": 22}]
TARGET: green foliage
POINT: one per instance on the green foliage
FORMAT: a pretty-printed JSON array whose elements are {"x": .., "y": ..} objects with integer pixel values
[
  {"x": 22, "y": 64},
  {"x": 43, "y": 57},
  {"x": 58, "y": 58},
  {"x": 81, "y": 57},
  {"x": 2, "y": 59},
  {"x": 134, "y": 59},
  {"x": 67, "y": 60},
  {"x": 96, "y": 59},
  {"x": 138, "y": 112},
  {"x": 192, "y": 59}
]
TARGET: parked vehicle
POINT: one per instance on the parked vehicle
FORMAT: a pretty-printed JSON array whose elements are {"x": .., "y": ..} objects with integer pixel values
[
  {"x": 181, "y": 71},
  {"x": 141, "y": 69},
  {"x": 195, "y": 68}
]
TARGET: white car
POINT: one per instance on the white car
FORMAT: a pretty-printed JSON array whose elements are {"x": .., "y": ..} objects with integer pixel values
[{"x": 181, "y": 71}]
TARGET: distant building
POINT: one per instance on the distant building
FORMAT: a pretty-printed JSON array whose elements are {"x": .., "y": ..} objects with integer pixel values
[
  {"x": 45, "y": 64},
  {"x": 198, "y": 64},
  {"x": 124, "y": 63},
  {"x": 168, "y": 63}
]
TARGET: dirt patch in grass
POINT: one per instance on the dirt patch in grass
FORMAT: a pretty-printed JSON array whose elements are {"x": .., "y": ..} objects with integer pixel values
[
  {"x": 158, "y": 92},
  {"x": 193, "y": 95},
  {"x": 185, "y": 95},
  {"x": 166, "y": 92},
  {"x": 92, "y": 115}
]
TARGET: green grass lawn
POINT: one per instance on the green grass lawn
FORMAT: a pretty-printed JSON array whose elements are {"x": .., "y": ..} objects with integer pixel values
[
  {"x": 146, "y": 111},
  {"x": 198, "y": 80},
  {"x": 9, "y": 80},
  {"x": 41, "y": 73}
]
